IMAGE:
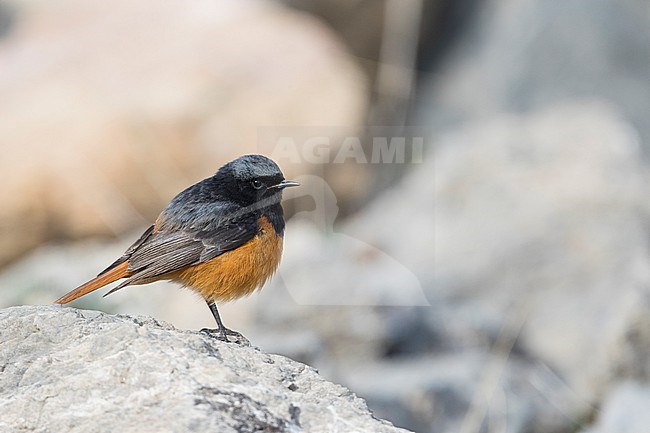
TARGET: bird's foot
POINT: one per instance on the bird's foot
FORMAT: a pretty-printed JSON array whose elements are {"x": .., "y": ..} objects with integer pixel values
[{"x": 222, "y": 334}]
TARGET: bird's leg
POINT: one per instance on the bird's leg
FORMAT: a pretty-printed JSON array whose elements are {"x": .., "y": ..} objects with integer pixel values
[{"x": 222, "y": 331}]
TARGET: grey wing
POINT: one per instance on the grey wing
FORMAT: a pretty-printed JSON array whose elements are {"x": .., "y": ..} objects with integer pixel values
[
  {"x": 161, "y": 254},
  {"x": 130, "y": 250},
  {"x": 165, "y": 252}
]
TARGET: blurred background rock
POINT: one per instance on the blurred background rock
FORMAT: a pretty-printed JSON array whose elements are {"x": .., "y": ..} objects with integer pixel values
[{"x": 499, "y": 285}]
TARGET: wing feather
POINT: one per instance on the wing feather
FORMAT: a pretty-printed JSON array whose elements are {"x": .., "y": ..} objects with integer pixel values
[
  {"x": 212, "y": 232},
  {"x": 129, "y": 250}
]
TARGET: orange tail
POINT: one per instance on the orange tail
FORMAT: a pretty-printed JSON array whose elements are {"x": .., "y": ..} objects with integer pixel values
[{"x": 114, "y": 274}]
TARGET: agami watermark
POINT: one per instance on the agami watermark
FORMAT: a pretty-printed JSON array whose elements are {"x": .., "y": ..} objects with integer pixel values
[{"x": 334, "y": 146}]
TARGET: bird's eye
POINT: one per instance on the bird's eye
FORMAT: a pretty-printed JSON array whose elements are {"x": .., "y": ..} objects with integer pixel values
[{"x": 256, "y": 184}]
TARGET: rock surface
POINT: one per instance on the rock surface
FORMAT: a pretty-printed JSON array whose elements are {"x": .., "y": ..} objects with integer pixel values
[
  {"x": 530, "y": 246},
  {"x": 529, "y": 231},
  {"x": 71, "y": 370}
]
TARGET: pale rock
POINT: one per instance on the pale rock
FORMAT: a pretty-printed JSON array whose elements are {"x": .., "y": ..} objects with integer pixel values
[{"x": 71, "y": 370}]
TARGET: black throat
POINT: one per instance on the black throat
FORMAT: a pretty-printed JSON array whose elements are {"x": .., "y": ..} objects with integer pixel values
[{"x": 275, "y": 214}]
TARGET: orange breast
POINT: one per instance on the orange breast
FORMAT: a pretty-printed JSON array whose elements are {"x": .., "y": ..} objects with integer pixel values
[{"x": 238, "y": 272}]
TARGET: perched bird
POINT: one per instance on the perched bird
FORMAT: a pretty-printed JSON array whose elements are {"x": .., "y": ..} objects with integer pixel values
[{"x": 221, "y": 237}]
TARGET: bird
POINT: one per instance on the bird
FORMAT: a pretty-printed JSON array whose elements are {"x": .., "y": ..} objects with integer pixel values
[{"x": 221, "y": 237}]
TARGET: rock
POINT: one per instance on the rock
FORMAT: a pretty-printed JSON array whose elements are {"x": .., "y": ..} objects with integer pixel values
[
  {"x": 520, "y": 57},
  {"x": 531, "y": 225},
  {"x": 625, "y": 410},
  {"x": 529, "y": 244},
  {"x": 366, "y": 41},
  {"x": 545, "y": 216},
  {"x": 121, "y": 107},
  {"x": 542, "y": 215},
  {"x": 470, "y": 391},
  {"x": 76, "y": 371}
]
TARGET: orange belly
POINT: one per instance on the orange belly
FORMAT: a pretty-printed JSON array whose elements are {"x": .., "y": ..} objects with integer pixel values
[{"x": 238, "y": 272}]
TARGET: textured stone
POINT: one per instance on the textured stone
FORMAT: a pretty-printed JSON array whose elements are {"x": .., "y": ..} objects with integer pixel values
[
  {"x": 63, "y": 369},
  {"x": 530, "y": 245}
]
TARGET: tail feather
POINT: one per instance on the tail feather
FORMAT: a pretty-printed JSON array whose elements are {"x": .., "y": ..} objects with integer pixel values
[{"x": 114, "y": 274}]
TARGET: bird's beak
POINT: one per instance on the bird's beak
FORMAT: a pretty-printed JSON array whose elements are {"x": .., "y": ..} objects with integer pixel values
[{"x": 284, "y": 184}]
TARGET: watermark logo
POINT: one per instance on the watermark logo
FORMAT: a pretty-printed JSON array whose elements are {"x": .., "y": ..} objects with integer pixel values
[
  {"x": 341, "y": 264},
  {"x": 324, "y": 150},
  {"x": 340, "y": 145}
]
